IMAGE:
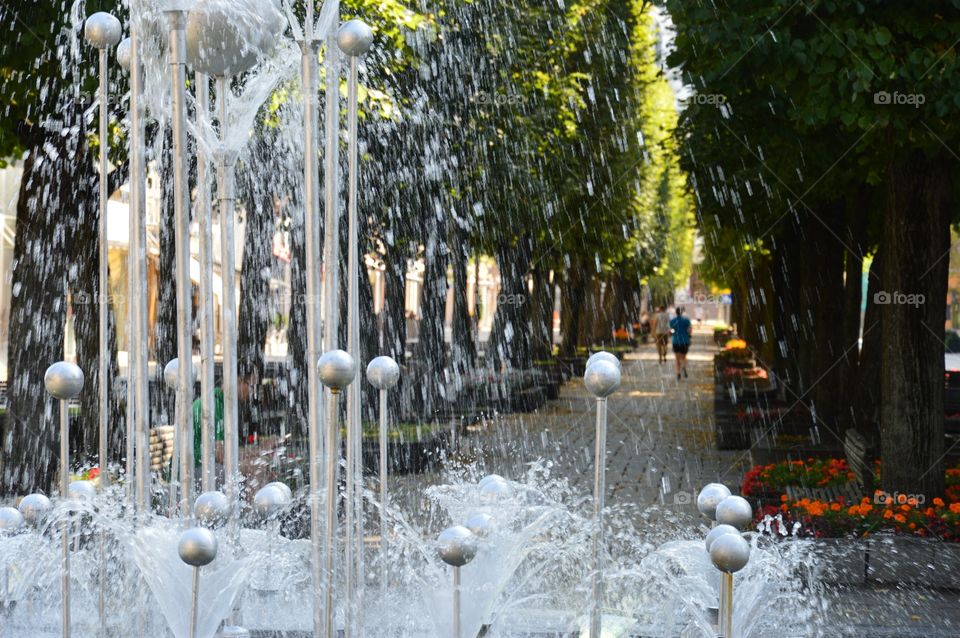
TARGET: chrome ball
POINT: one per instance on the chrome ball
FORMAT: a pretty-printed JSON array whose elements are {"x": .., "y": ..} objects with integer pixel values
[
  {"x": 709, "y": 497},
  {"x": 730, "y": 553},
  {"x": 197, "y": 546},
  {"x": 10, "y": 519},
  {"x": 495, "y": 491},
  {"x": 63, "y": 380},
  {"x": 717, "y": 532},
  {"x": 383, "y": 372},
  {"x": 124, "y": 52},
  {"x": 603, "y": 355},
  {"x": 354, "y": 37},
  {"x": 488, "y": 478},
  {"x": 736, "y": 511},
  {"x": 602, "y": 378},
  {"x": 102, "y": 30},
  {"x": 337, "y": 369},
  {"x": 212, "y": 508},
  {"x": 171, "y": 373},
  {"x": 228, "y": 37},
  {"x": 282, "y": 486},
  {"x": 457, "y": 546},
  {"x": 81, "y": 491},
  {"x": 34, "y": 508},
  {"x": 269, "y": 501},
  {"x": 481, "y": 525}
]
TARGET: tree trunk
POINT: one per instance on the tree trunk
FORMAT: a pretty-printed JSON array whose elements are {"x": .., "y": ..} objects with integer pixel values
[
  {"x": 916, "y": 242},
  {"x": 510, "y": 337},
  {"x": 37, "y": 317},
  {"x": 166, "y": 328},
  {"x": 430, "y": 350},
  {"x": 572, "y": 295},
  {"x": 541, "y": 315},
  {"x": 463, "y": 351}
]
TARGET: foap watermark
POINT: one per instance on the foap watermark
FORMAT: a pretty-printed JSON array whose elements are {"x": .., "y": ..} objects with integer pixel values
[
  {"x": 706, "y": 99},
  {"x": 505, "y": 299},
  {"x": 897, "y": 298},
  {"x": 682, "y": 298},
  {"x": 898, "y": 498},
  {"x": 899, "y": 99},
  {"x": 684, "y": 498}
]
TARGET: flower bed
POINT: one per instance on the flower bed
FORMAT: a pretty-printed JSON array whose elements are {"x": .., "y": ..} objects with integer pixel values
[{"x": 840, "y": 517}]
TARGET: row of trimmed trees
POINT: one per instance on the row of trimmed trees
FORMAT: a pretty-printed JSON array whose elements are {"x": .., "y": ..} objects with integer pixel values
[{"x": 818, "y": 141}]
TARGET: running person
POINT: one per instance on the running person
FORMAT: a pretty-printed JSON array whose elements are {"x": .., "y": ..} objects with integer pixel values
[
  {"x": 661, "y": 332},
  {"x": 682, "y": 329}
]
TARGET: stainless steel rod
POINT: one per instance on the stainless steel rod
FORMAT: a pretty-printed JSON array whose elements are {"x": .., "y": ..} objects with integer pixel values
[
  {"x": 354, "y": 513},
  {"x": 207, "y": 335},
  {"x": 138, "y": 230},
  {"x": 726, "y": 605},
  {"x": 181, "y": 207},
  {"x": 456, "y": 602},
  {"x": 383, "y": 493},
  {"x": 311, "y": 218},
  {"x": 599, "y": 488},
  {"x": 104, "y": 296},
  {"x": 331, "y": 306},
  {"x": 65, "y": 531},
  {"x": 194, "y": 602},
  {"x": 228, "y": 269}
]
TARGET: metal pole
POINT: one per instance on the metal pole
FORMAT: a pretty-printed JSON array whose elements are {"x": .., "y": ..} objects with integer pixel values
[
  {"x": 207, "y": 336},
  {"x": 181, "y": 208},
  {"x": 104, "y": 300},
  {"x": 383, "y": 490},
  {"x": 354, "y": 546},
  {"x": 195, "y": 602},
  {"x": 331, "y": 305},
  {"x": 311, "y": 217},
  {"x": 599, "y": 488},
  {"x": 228, "y": 269},
  {"x": 456, "y": 602},
  {"x": 138, "y": 247},
  {"x": 103, "y": 327},
  {"x": 726, "y": 604},
  {"x": 65, "y": 532}
]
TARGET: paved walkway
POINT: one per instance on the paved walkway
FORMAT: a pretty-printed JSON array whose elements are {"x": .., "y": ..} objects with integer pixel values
[{"x": 660, "y": 436}]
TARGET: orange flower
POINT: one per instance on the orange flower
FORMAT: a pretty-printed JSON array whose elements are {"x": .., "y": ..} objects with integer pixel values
[
  {"x": 900, "y": 518},
  {"x": 904, "y": 508},
  {"x": 955, "y": 508},
  {"x": 887, "y": 514},
  {"x": 783, "y": 498},
  {"x": 835, "y": 507},
  {"x": 938, "y": 501}
]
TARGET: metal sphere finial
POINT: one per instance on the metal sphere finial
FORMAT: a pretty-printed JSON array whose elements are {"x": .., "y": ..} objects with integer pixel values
[
  {"x": 35, "y": 508},
  {"x": 730, "y": 553},
  {"x": 457, "y": 546},
  {"x": 602, "y": 378},
  {"x": 81, "y": 491},
  {"x": 283, "y": 487},
  {"x": 63, "y": 380},
  {"x": 171, "y": 373},
  {"x": 270, "y": 501},
  {"x": 495, "y": 491},
  {"x": 717, "y": 532},
  {"x": 603, "y": 355},
  {"x": 383, "y": 372},
  {"x": 197, "y": 546},
  {"x": 481, "y": 524},
  {"x": 102, "y": 30},
  {"x": 228, "y": 38},
  {"x": 212, "y": 508},
  {"x": 488, "y": 478},
  {"x": 354, "y": 37},
  {"x": 709, "y": 497},
  {"x": 10, "y": 519},
  {"x": 124, "y": 52},
  {"x": 337, "y": 369},
  {"x": 736, "y": 511}
]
